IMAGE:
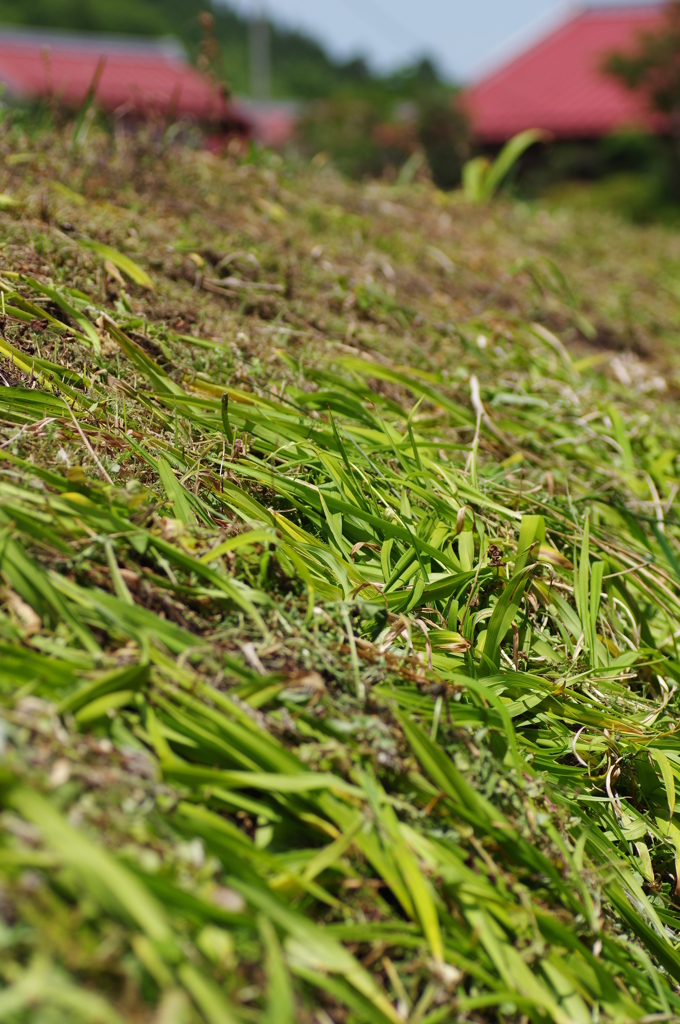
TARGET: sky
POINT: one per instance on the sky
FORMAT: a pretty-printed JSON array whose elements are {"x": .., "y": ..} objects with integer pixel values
[{"x": 463, "y": 36}]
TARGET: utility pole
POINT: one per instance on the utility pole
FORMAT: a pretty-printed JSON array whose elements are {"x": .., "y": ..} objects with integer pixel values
[{"x": 260, "y": 53}]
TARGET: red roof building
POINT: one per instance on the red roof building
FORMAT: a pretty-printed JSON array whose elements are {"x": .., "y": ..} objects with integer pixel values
[
  {"x": 558, "y": 83},
  {"x": 134, "y": 76},
  {"x": 272, "y": 124}
]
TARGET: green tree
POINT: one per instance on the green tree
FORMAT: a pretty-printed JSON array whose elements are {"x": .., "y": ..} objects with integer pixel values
[
  {"x": 146, "y": 17},
  {"x": 444, "y": 134},
  {"x": 653, "y": 69}
]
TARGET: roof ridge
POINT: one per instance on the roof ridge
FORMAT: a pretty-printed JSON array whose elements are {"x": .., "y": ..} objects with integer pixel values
[
  {"x": 541, "y": 29},
  {"x": 555, "y": 82},
  {"x": 619, "y": 7},
  {"x": 167, "y": 46}
]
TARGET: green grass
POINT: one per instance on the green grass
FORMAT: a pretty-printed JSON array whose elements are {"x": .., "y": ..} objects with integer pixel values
[{"x": 340, "y": 599}]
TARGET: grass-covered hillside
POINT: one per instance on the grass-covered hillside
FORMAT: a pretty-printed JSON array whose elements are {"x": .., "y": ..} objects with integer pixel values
[{"x": 340, "y": 600}]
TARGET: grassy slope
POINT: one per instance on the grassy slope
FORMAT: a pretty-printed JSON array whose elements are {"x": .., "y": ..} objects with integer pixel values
[{"x": 351, "y": 698}]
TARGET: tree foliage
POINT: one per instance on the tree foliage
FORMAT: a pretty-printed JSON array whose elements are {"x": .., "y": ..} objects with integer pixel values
[
  {"x": 443, "y": 132},
  {"x": 654, "y": 66}
]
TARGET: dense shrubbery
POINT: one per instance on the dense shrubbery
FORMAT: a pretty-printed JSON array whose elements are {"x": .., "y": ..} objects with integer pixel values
[
  {"x": 630, "y": 172},
  {"x": 444, "y": 135}
]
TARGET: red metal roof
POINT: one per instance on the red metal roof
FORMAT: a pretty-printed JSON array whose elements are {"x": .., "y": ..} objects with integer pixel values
[
  {"x": 558, "y": 83},
  {"x": 139, "y": 76},
  {"x": 271, "y": 124}
]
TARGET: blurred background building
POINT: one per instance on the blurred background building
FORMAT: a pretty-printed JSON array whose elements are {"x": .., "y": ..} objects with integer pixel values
[
  {"x": 559, "y": 81},
  {"x": 128, "y": 76},
  {"x": 233, "y": 70}
]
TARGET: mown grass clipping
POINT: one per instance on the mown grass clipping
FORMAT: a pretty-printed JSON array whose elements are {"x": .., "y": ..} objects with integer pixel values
[{"x": 340, "y": 570}]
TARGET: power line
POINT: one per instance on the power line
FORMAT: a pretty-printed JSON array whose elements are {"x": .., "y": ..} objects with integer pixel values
[{"x": 381, "y": 15}]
